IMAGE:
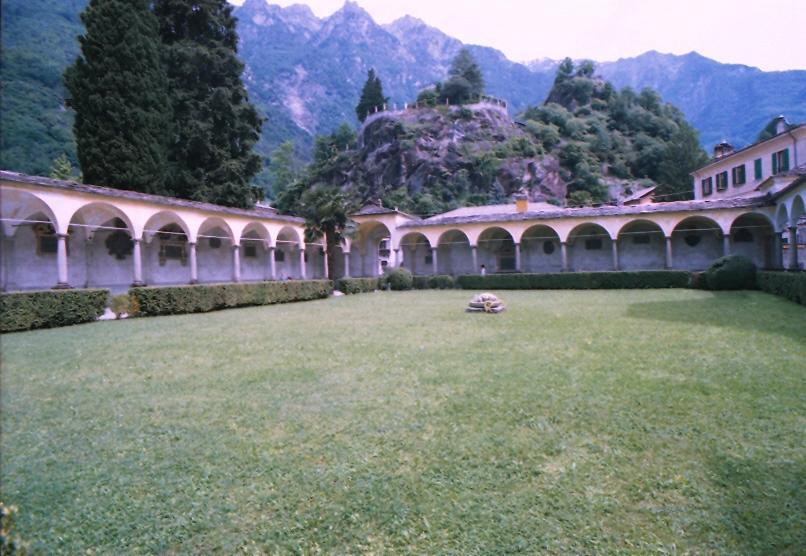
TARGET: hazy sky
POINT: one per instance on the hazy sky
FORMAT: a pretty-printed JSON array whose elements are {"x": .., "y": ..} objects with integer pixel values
[{"x": 767, "y": 34}]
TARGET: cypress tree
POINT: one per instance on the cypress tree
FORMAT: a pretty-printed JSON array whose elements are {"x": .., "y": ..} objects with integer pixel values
[
  {"x": 371, "y": 96},
  {"x": 215, "y": 126},
  {"x": 465, "y": 66},
  {"x": 119, "y": 93}
]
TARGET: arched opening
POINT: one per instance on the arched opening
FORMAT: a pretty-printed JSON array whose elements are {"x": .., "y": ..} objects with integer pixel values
[
  {"x": 315, "y": 260},
  {"x": 214, "y": 251},
  {"x": 416, "y": 252},
  {"x": 28, "y": 255},
  {"x": 696, "y": 243},
  {"x": 454, "y": 255},
  {"x": 166, "y": 257},
  {"x": 796, "y": 244},
  {"x": 641, "y": 246},
  {"x": 496, "y": 250},
  {"x": 751, "y": 235},
  {"x": 255, "y": 263},
  {"x": 590, "y": 248},
  {"x": 286, "y": 255},
  {"x": 371, "y": 250},
  {"x": 540, "y": 250},
  {"x": 103, "y": 248}
]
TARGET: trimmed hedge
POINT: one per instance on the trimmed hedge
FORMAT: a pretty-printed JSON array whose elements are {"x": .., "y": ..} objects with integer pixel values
[
  {"x": 437, "y": 282},
  {"x": 50, "y": 308},
  {"x": 791, "y": 285},
  {"x": 173, "y": 300},
  {"x": 397, "y": 279},
  {"x": 578, "y": 280},
  {"x": 356, "y": 285},
  {"x": 732, "y": 272}
]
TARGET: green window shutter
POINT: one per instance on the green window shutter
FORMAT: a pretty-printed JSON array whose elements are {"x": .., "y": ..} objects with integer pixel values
[
  {"x": 786, "y": 161},
  {"x": 774, "y": 164},
  {"x": 758, "y": 168}
]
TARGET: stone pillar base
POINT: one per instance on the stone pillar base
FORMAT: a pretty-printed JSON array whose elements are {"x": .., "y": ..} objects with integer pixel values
[
  {"x": 62, "y": 286},
  {"x": 138, "y": 284},
  {"x": 193, "y": 282}
]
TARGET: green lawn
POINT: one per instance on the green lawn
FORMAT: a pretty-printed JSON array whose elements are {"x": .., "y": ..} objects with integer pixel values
[{"x": 660, "y": 421}]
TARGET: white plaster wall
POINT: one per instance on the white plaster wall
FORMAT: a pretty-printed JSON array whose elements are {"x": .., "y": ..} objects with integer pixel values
[
  {"x": 455, "y": 259},
  {"x": 580, "y": 258},
  {"x": 642, "y": 256},
  {"x": 533, "y": 259},
  {"x": 155, "y": 275},
  {"x": 255, "y": 269},
  {"x": 759, "y": 250},
  {"x": 214, "y": 265},
  {"x": 699, "y": 257},
  {"x": 289, "y": 267},
  {"x": 105, "y": 270},
  {"x": 25, "y": 269}
]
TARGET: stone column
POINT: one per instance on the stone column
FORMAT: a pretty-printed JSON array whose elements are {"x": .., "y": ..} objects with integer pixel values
[
  {"x": 398, "y": 261},
  {"x": 5, "y": 250},
  {"x": 61, "y": 262},
  {"x": 402, "y": 260},
  {"x": 194, "y": 269},
  {"x": 474, "y": 252},
  {"x": 669, "y": 252},
  {"x": 614, "y": 247},
  {"x": 434, "y": 260},
  {"x": 272, "y": 264},
  {"x": 777, "y": 250},
  {"x": 363, "y": 263},
  {"x": 87, "y": 261},
  {"x": 303, "y": 272},
  {"x": 236, "y": 263},
  {"x": 325, "y": 266},
  {"x": 346, "y": 264},
  {"x": 793, "y": 248},
  {"x": 517, "y": 257},
  {"x": 564, "y": 255},
  {"x": 726, "y": 244},
  {"x": 138, "y": 263}
]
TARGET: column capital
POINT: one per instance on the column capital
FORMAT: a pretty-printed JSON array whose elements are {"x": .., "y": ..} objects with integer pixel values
[
  {"x": 191, "y": 244},
  {"x": 62, "y": 236}
]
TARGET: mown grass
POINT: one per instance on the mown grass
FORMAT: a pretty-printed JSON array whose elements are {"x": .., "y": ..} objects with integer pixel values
[{"x": 659, "y": 421}]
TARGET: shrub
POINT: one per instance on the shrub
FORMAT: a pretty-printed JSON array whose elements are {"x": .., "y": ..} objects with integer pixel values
[
  {"x": 48, "y": 309},
  {"x": 356, "y": 285},
  {"x": 123, "y": 303},
  {"x": 791, "y": 285},
  {"x": 438, "y": 282},
  {"x": 733, "y": 272},
  {"x": 172, "y": 300},
  {"x": 397, "y": 279},
  {"x": 578, "y": 280}
]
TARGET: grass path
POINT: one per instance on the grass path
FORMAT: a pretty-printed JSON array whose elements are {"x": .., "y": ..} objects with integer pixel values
[{"x": 640, "y": 422}]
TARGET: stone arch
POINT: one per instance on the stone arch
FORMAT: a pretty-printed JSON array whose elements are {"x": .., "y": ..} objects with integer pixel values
[
  {"x": 166, "y": 253},
  {"x": 29, "y": 242},
  {"x": 454, "y": 254},
  {"x": 781, "y": 218},
  {"x": 797, "y": 211},
  {"x": 541, "y": 249},
  {"x": 641, "y": 245},
  {"x": 216, "y": 224},
  {"x": 415, "y": 249},
  {"x": 496, "y": 250},
  {"x": 590, "y": 247},
  {"x": 696, "y": 242},
  {"x": 751, "y": 235},
  {"x": 374, "y": 253},
  {"x": 160, "y": 220},
  {"x": 288, "y": 244}
]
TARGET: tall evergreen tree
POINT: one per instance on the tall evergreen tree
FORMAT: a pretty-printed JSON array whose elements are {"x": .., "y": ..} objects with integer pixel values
[
  {"x": 215, "y": 126},
  {"x": 371, "y": 96},
  {"x": 465, "y": 66},
  {"x": 119, "y": 92},
  {"x": 683, "y": 154}
]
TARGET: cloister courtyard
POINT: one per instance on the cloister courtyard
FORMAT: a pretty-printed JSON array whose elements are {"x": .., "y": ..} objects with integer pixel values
[{"x": 651, "y": 421}]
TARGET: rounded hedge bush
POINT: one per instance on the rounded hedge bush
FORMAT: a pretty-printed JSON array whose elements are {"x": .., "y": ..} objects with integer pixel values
[
  {"x": 397, "y": 279},
  {"x": 733, "y": 272}
]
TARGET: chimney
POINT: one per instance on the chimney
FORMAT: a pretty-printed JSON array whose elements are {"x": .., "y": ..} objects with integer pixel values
[
  {"x": 521, "y": 201},
  {"x": 780, "y": 124},
  {"x": 723, "y": 149}
]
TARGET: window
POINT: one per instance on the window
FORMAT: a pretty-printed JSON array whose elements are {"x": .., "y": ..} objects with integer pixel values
[
  {"x": 640, "y": 239},
  {"x": 707, "y": 186},
  {"x": 757, "y": 167},
  {"x": 722, "y": 181},
  {"x": 780, "y": 161},
  {"x": 738, "y": 175},
  {"x": 214, "y": 242},
  {"x": 250, "y": 251},
  {"x": 692, "y": 240},
  {"x": 46, "y": 240},
  {"x": 548, "y": 247},
  {"x": 428, "y": 259},
  {"x": 593, "y": 244},
  {"x": 279, "y": 255},
  {"x": 743, "y": 235}
]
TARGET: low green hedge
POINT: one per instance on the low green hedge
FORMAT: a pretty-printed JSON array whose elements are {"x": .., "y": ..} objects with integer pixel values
[
  {"x": 50, "y": 308},
  {"x": 356, "y": 285},
  {"x": 578, "y": 280},
  {"x": 173, "y": 300},
  {"x": 791, "y": 285},
  {"x": 437, "y": 282}
]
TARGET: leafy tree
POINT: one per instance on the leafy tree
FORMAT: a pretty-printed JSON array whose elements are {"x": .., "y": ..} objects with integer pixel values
[
  {"x": 565, "y": 71},
  {"x": 215, "y": 127},
  {"x": 464, "y": 66},
  {"x": 683, "y": 155},
  {"x": 284, "y": 168},
  {"x": 118, "y": 90},
  {"x": 62, "y": 168},
  {"x": 457, "y": 90},
  {"x": 325, "y": 209},
  {"x": 371, "y": 96}
]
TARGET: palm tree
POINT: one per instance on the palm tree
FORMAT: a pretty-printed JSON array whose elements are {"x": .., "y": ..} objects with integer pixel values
[{"x": 325, "y": 210}]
